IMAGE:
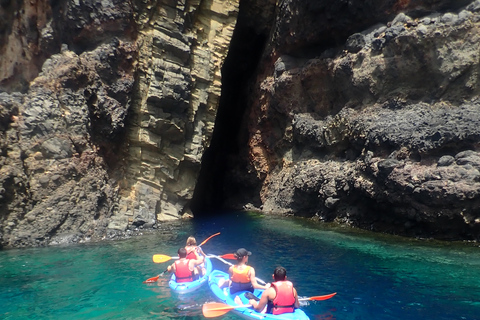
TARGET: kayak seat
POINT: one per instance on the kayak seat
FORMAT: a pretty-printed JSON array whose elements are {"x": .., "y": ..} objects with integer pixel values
[{"x": 250, "y": 295}]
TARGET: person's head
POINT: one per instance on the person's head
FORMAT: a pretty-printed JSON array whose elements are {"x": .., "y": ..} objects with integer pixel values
[
  {"x": 241, "y": 254},
  {"x": 191, "y": 241},
  {"x": 182, "y": 253},
  {"x": 279, "y": 274}
]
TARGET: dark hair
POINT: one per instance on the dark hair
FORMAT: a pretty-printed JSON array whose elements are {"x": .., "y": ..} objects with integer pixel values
[
  {"x": 182, "y": 253},
  {"x": 279, "y": 273},
  {"x": 242, "y": 252}
]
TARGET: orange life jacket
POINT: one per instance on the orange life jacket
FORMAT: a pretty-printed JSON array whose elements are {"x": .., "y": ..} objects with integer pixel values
[
  {"x": 285, "y": 300},
  {"x": 241, "y": 276},
  {"x": 182, "y": 271}
]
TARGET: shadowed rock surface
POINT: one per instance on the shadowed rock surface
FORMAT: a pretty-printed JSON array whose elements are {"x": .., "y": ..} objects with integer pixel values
[{"x": 373, "y": 131}]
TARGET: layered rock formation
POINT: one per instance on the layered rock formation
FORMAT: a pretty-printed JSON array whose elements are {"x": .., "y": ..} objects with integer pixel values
[{"x": 183, "y": 48}]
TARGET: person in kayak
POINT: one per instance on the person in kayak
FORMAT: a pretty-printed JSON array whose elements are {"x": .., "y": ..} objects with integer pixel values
[
  {"x": 242, "y": 276},
  {"x": 195, "y": 252},
  {"x": 280, "y": 297},
  {"x": 184, "y": 268}
]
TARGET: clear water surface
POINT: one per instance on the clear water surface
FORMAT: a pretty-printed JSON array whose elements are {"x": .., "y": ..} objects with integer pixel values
[{"x": 375, "y": 276}]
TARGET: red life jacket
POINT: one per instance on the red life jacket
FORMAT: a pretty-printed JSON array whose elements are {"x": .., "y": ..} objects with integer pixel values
[
  {"x": 191, "y": 254},
  {"x": 182, "y": 272},
  {"x": 285, "y": 300}
]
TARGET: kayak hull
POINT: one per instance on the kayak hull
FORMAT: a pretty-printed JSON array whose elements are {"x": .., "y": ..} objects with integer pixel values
[
  {"x": 187, "y": 287},
  {"x": 224, "y": 296}
]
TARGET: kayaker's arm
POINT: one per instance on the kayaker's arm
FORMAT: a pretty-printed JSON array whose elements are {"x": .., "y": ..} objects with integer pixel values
[
  {"x": 254, "y": 282},
  {"x": 171, "y": 268},
  {"x": 226, "y": 282},
  {"x": 201, "y": 252},
  {"x": 260, "y": 305},
  {"x": 297, "y": 303}
]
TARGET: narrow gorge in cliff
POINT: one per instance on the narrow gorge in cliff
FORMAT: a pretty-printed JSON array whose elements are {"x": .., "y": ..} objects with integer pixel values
[{"x": 119, "y": 116}]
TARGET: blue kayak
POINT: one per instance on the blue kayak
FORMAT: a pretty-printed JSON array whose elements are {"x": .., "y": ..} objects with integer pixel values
[
  {"x": 186, "y": 287},
  {"x": 246, "y": 313}
]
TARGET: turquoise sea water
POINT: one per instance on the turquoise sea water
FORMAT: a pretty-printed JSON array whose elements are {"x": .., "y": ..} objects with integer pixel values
[{"x": 375, "y": 276}]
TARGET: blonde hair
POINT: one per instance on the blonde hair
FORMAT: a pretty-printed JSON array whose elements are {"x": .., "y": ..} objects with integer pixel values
[{"x": 191, "y": 241}]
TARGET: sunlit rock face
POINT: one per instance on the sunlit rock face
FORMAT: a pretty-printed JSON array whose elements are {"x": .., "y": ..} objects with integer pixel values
[
  {"x": 183, "y": 46},
  {"x": 106, "y": 107},
  {"x": 368, "y": 116}
]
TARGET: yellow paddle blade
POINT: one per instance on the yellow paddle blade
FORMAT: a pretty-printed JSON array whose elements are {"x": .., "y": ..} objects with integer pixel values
[{"x": 160, "y": 258}]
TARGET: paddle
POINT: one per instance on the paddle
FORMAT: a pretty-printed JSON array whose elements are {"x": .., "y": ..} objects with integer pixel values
[
  {"x": 204, "y": 241},
  {"x": 318, "y": 298},
  {"x": 217, "y": 309},
  {"x": 160, "y": 258},
  {"x": 154, "y": 279},
  {"x": 229, "y": 256}
]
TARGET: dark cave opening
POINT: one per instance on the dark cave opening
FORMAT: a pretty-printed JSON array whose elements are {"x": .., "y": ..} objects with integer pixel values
[{"x": 245, "y": 52}]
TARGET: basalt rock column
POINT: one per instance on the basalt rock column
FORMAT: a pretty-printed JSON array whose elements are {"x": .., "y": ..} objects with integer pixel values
[{"x": 182, "y": 48}]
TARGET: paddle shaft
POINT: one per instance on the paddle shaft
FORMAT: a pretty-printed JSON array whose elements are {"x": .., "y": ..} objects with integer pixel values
[
  {"x": 319, "y": 298},
  {"x": 204, "y": 241}
]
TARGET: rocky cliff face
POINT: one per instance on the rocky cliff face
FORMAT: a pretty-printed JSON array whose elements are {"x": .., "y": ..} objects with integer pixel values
[
  {"x": 107, "y": 107},
  {"x": 367, "y": 117},
  {"x": 68, "y": 71},
  {"x": 117, "y": 115}
]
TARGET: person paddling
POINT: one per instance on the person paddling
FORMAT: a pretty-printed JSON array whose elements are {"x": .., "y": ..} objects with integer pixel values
[
  {"x": 195, "y": 252},
  {"x": 184, "y": 268},
  {"x": 242, "y": 276},
  {"x": 280, "y": 297}
]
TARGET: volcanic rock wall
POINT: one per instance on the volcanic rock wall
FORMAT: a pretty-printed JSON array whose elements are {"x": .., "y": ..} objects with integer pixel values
[
  {"x": 368, "y": 117},
  {"x": 66, "y": 79}
]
